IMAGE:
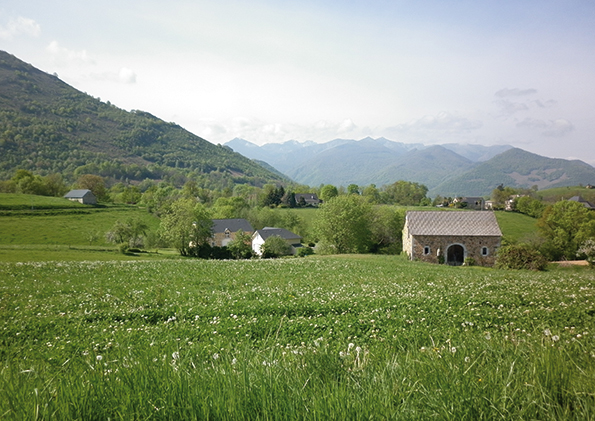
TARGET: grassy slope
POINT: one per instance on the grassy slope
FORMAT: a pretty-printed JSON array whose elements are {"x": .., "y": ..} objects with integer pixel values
[{"x": 350, "y": 337}]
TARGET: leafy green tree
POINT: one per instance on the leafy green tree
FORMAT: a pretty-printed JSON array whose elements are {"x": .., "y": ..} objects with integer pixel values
[
  {"x": 275, "y": 246},
  {"x": 95, "y": 183},
  {"x": 186, "y": 226},
  {"x": 387, "y": 227},
  {"x": 353, "y": 189},
  {"x": 566, "y": 225},
  {"x": 130, "y": 232},
  {"x": 229, "y": 207},
  {"x": 501, "y": 194},
  {"x": 328, "y": 191},
  {"x": 344, "y": 224},
  {"x": 529, "y": 206},
  {"x": 372, "y": 194},
  {"x": 404, "y": 193},
  {"x": 241, "y": 246}
]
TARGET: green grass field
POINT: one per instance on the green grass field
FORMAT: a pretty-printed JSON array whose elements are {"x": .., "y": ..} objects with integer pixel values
[{"x": 351, "y": 337}]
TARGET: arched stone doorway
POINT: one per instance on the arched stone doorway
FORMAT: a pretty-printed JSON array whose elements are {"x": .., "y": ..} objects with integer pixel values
[{"x": 455, "y": 255}]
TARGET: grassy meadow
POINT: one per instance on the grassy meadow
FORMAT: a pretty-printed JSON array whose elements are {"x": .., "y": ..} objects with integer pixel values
[
  {"x": 88, "y": 333},
  {"x": 349, "y": 337}
]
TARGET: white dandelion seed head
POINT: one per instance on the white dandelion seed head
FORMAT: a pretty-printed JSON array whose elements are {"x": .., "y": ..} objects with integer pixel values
[
  {"x": 99, "y": 357},
  {"x": 175, "y": 355},
  {"x": 555, "y": 338},
  {"x": 215, "y": 356},
  {"x": 350, "y": 346},
  {"x": 547, "y": 332}
]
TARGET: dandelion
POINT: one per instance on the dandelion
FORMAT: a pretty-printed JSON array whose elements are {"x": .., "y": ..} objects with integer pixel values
[
  {"x": 547, "y": 332},
  {"x": 175, "y": 355},
  {"x": 234, "y": 361},
  {"x": 215, "y": 356},
  {"x": 453, "y": 349},
  {"x": 99, "y": 358},
  {"x": 350, "y": 346},
  {"x": 467, "y": 359},
  {"x": 555, "y": 338}
]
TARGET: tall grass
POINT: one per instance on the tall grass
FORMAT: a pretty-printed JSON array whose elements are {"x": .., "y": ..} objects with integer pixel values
[{"x": 363, "y": 337}]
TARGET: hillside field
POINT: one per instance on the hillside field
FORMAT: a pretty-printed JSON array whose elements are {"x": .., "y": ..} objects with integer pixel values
[{"x": 349, "y": 337}]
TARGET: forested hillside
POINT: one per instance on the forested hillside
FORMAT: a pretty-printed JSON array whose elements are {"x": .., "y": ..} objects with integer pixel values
[{"x": 47, "y": 126}]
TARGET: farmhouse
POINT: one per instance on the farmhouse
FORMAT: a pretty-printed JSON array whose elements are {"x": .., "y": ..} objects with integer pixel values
[
  {"x": 584, "y": 202},
  {"x": 476, "y": 203},
  {"x": 451, "y": 237},
  {"x": 260, "y": 236},
  {"x": 225, "y": 230},
  {"x": 84, "y": 196},
  {"x": 307, "y": 199}
]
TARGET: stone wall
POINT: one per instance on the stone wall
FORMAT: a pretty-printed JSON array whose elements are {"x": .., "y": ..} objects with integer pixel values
[{"x": 428, "y": 248}]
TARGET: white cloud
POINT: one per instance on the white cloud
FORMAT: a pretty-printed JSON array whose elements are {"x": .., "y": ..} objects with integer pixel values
[
  {"x": 552, "y": 128},
  {"x": 510, "y": 107},
  {"x": 125, "y": 75},
  {"x": 559, "y": 128},
  {"x": 62, "y": 55},
  {"x": 443, "y": 122},
  {"x": 532, "y": 123},
  {"x": 19, "y": 26},
  {"x": 504, "y": 93}
]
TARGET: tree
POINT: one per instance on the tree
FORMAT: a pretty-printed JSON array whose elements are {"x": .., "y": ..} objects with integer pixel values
[
  {"x": 353, "y": 189},
  {"x": 328, "y": 191},
  {"x": 344, "y": 224},
  {"x": 129, "y": 232},
  {"x": 565, "y": 225},
  {"x": 94, "y": 183},
  {"x": 186, "y": 225},
  {"x": 275, "y": 246},
  {"x": 241, "y": 246},
  {"x": 529, "y": 206},
  {"x": 387, "y": 227},
  {"x": 404, "y": 193},
  {"x": 500, "y": 195}
]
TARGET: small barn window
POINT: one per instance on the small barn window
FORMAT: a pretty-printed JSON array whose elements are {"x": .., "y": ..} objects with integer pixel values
[
  {"x": 426, "y": 250},
  {"x": 484, "y": 251}
]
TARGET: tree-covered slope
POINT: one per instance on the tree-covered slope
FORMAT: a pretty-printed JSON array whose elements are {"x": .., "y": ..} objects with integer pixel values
[
  {"x": 517, "y": 168},
  {"x": 48, "y": 126}
]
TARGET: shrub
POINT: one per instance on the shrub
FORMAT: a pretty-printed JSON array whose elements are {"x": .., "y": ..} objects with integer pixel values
[
  {"x": 305, "y": 251},
  {"x": 520, "y": 256},
  {"x": 275, "y": 246},
  {"x": 587, "y": 250}
]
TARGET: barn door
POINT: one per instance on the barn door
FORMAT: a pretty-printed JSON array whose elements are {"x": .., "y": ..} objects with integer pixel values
[{"x": 455, "y": 255}]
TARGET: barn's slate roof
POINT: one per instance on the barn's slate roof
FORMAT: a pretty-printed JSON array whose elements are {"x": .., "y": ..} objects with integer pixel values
[
  {"x": 77, "y": 194},
  {"x": 233, "y": 225},
  {"x": 267, "y": 232},
  {"x": 453, "y": 223},
  {"x": 586, "y": 203}
]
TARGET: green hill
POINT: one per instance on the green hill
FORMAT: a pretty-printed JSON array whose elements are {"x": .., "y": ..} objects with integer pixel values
[
  {"x": 517, "y": 168},
  {"x": 47, "y": 126}
]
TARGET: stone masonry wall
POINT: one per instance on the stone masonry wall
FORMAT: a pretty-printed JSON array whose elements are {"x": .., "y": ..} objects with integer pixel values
[{"x": 472, "y": 246}]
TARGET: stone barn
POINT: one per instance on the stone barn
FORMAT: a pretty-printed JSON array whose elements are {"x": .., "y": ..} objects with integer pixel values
[{"x": 451, "y": 237}]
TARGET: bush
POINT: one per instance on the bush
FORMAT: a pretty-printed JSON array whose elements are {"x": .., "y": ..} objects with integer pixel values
[
  {"x": 275, "y": 246},
  {"x": 520, "y": 256},
  {"x": 305, "y": 251}
]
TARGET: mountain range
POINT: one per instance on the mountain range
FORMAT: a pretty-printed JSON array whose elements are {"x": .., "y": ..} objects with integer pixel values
[
  {"x": 47, "y": 126},
  {"x": 447, "y": 170}
]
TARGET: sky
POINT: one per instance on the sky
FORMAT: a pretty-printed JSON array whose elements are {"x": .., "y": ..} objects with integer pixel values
[{"x": 519, "y": 73}]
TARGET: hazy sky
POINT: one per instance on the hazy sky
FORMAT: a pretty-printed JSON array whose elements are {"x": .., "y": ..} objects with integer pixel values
[{"x": 489, "y": 72}]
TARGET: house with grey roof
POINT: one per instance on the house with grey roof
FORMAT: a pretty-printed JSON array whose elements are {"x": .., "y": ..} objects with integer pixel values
[
  {"x": 307, "y": 199},
  {"x": 451, "y": 237},
  {"x": 260, "y": 236},
  {"x": 582, "y": 201},
  {"x": 476, "y": 203},
  {"x": 225, "y": 230},
  {"x": 84, "y": 196}
]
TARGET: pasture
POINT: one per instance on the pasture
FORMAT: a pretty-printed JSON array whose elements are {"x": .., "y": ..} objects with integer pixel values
[{"x": 343, "y": 337}]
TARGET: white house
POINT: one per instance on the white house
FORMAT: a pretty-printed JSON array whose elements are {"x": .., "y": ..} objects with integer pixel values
[
  {"x": 260, "y": 236},
  {"x": 84, "y": 196}
]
